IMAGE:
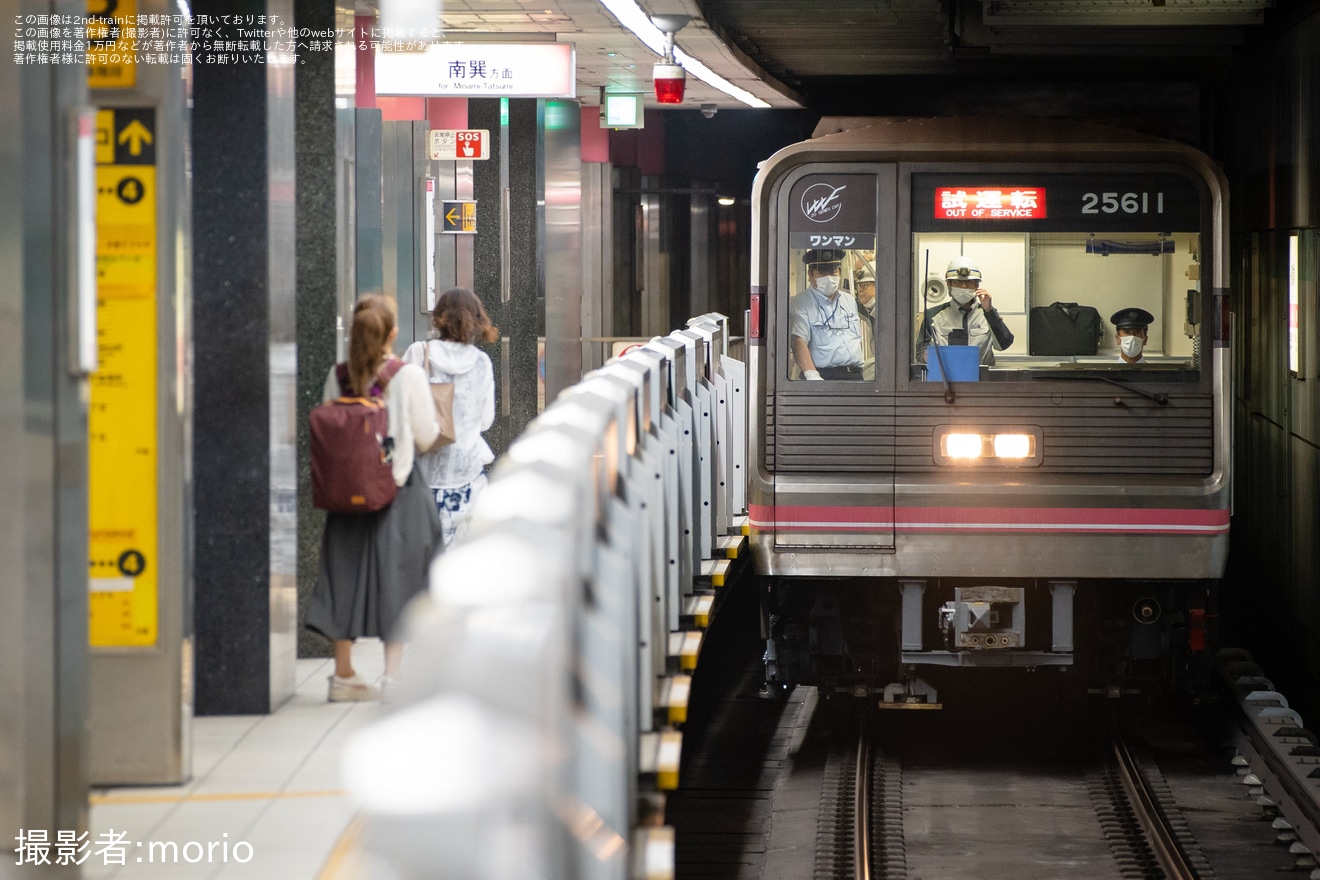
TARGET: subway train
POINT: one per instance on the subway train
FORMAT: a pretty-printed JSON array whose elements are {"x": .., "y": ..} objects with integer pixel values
[{"x": 957, "y": 466}]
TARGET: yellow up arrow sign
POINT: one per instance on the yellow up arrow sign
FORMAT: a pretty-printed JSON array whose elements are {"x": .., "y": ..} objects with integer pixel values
[{"x": 135, "y": 134}]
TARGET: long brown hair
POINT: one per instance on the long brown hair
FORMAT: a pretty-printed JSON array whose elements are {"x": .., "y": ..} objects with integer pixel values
[
  {"x": 459, "y": 316},
  {"x": 368, "y": 343}
]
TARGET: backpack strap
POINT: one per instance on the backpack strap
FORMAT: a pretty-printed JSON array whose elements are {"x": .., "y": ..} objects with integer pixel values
[{"x": 391, "y": 366}]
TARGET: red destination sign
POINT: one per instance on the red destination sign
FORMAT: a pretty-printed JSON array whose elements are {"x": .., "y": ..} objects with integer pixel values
[{"x": 990, "y": 203}]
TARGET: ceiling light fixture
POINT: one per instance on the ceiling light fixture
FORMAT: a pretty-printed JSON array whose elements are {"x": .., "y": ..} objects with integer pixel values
[{"x": 631, "y": 16}]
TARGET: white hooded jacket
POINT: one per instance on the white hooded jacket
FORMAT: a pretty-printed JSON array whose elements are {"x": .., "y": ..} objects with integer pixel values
[{"x": 468, "y": 367}]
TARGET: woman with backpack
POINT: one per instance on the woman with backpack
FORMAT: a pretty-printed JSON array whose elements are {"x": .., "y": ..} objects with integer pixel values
[
  {"x": 372, "y": 563},
  {"x": 456, "y": 473}
]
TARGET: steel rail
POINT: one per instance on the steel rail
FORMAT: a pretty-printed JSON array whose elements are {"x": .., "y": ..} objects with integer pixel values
[
  {"x": 1162, "y": 840},
  {"x": 862, "y": 809}
]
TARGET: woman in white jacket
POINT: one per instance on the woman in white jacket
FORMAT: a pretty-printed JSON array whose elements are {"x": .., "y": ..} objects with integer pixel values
[{"x": 457, "y": 473}]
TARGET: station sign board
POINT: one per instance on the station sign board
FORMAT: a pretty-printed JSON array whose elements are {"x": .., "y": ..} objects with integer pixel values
[
  {"x": 450, "y": 144},
  {"x": 480, "y": 70},
  {"x": 458, "y": 216},
  {"x": 111, "y": 53},
  {"x": 122, "y": 412}
]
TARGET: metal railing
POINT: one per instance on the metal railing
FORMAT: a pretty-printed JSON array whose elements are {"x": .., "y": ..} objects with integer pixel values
[{"x": 536, "y": 727}]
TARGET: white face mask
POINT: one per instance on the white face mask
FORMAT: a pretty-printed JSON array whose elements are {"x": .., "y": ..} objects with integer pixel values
[
  {"x": 1130, "y": 345},
  {"x": 961, "y": 295},
  {"x": 828, "y": 285}
]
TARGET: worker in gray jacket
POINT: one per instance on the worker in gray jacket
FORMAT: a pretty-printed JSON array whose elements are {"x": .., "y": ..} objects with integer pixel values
[{"x": 969, "y": 318}]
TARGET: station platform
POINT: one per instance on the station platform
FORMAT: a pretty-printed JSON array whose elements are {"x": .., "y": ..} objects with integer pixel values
[{"x": 271, "y": 781}]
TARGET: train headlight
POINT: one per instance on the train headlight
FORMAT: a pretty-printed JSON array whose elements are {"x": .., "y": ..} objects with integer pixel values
[
  {"x": 1013, "y": 445},
  {"x": 1007, "y": 447},
  {"x": 962, "y": 446}
]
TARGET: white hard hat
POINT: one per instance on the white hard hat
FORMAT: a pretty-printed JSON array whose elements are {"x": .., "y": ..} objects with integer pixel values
[
  {"x": 962, "y": 268},
  {"x": 864, "y": 275}
]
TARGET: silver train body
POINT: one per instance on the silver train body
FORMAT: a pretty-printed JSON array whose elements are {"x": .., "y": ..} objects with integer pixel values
[{"x": 1096, "y": 540}]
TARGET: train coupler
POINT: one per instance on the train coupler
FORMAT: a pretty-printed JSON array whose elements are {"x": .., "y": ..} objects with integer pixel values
[{"x": 983, "y": 618}]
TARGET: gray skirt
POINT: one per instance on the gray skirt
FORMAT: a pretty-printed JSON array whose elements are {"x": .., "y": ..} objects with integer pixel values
[{"x": 373, "y": 563}]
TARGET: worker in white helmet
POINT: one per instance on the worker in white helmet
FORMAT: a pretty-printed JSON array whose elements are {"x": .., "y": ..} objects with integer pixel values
[{"x": 969, "y": 318}]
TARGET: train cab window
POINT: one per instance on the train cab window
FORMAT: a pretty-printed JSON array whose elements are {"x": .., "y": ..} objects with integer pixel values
[
  {"x": 831, "y": 314},
  {"x": 1013, "y": 284}
]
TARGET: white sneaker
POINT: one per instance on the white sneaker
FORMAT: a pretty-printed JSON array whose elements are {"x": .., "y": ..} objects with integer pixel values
[
  {"x": 389, "y": 688},
  {"x": 351, "y": 690}
]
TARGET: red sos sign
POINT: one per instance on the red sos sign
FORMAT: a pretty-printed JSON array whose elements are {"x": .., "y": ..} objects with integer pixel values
[{"x": 472, "y": 144}]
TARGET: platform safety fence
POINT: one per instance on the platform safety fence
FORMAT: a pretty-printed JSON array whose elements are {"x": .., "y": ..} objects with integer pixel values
[{"x": 537, "y": 726}]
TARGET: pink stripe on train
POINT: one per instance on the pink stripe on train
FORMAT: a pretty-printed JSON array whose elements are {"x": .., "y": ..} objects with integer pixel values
[{"x": 1005, "y": 520}]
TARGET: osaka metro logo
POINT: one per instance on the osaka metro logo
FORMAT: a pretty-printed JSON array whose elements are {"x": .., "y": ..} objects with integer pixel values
[{"x": 821, "y": 202}]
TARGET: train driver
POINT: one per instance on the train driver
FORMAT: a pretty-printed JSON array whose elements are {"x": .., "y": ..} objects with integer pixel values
[
  {"x": 969, "y": 318},
  {"x": 823, "y": 325},
  {"x": 1130, "y": 329}
]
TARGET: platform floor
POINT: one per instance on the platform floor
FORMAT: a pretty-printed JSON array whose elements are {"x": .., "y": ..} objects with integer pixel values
[{"x": 271, "y": 781}]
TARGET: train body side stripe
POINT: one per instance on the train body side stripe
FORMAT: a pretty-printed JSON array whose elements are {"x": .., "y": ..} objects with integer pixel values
[{"x": 1072, "y": 520}]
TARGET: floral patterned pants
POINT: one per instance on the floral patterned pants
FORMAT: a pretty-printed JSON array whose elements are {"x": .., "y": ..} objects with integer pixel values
[{"x": 454, "y": 503}]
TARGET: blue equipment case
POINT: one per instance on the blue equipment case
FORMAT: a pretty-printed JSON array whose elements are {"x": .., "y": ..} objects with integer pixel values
[{"x": 963, "y": 363}]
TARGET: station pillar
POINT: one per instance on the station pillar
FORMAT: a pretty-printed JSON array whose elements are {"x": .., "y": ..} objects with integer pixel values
[
  {"x": 245, "y": 378},
  {"x": 43, "y": 393},
  {"x": 139, "y": 671},
  {"x": 323, "y": 292},
  {"x": 506, "y": 257}
]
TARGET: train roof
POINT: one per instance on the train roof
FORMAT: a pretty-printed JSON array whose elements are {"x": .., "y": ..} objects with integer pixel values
[
  {"x": 999, "y": 130},
  {"x": 983, "y": 139}
]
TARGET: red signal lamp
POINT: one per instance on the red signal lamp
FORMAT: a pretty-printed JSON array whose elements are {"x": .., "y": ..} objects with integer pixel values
[{"x": 670, "y": 80}]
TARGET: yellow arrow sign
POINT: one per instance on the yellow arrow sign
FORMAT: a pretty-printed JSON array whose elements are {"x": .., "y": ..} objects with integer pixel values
[
  {"x": 460, "y": 217},
  {"x": 135, "y": 134}
]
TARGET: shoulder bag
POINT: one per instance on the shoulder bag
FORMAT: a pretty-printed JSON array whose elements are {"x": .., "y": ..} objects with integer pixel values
[{"x": 442, "y": 397}]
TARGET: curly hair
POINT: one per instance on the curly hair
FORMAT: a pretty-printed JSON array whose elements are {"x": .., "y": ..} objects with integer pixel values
[
  {"x": 369, "y": 340},
  {"x": 459, "y": 316}
]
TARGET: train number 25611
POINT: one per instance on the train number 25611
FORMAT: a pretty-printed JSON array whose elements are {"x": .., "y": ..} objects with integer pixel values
[{"x": 1128, "y": 203}]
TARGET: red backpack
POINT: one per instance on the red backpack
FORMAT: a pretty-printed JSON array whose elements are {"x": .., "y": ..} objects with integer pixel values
[{"x": 352, "y": 452}]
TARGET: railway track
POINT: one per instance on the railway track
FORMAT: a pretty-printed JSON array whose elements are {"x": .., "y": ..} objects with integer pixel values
[
  {"x": 860, "y": 825},
  {"x": 1166, "y": 845},
  {"x": 970, "y": 793},
  {"x": 866, "y": 844}
]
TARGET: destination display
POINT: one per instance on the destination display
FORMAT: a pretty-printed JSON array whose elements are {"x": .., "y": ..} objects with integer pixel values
[{"x": 1092, "y": 201}]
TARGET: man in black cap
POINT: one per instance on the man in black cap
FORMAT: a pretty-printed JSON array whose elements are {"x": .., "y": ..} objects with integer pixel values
[
  {"x": 823, "y": 326},
  {"x": 1130, "y": 328}
]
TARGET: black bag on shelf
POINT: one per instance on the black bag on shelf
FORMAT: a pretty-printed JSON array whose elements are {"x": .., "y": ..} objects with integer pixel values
[{"x": 1065, "y": 329}]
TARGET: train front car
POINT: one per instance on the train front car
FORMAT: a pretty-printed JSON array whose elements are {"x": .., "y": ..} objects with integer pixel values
[{"x": 989, "y": 384}]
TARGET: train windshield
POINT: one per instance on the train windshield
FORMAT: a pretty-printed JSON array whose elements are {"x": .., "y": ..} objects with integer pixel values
[
  {"x": 832, "y": 314},
  {"x": 1056, "y": 273}
]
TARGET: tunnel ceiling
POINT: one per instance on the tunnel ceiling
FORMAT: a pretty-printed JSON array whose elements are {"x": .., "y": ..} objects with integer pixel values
[
  {"x": 841, "y": 56},
  {"x": 827, "y": 51}
]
